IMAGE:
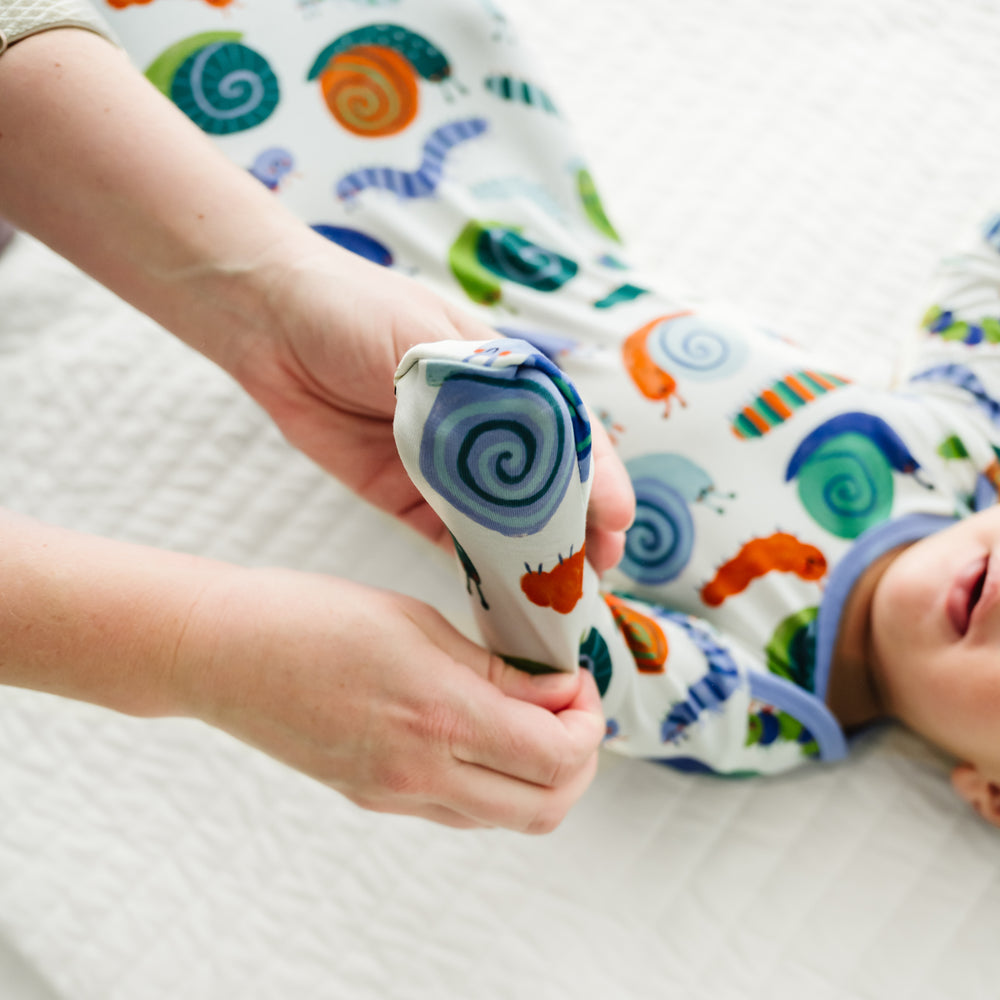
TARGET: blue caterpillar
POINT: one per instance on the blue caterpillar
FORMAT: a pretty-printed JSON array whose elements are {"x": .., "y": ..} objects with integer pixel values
[
  {"x": 423, "y": 181},
  {"x": 707, "y": 694},
  {"x": 964, "y": 378},
  {"x": 509, "y": 88}
]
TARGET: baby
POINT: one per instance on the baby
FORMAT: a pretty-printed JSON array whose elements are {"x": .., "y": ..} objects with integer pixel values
[{"x": 806, "y": 557}]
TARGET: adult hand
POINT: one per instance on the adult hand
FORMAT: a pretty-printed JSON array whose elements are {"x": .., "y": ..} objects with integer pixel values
[
  {"x": 371, "y": 693},
  {"x": 324, "y": 373}
]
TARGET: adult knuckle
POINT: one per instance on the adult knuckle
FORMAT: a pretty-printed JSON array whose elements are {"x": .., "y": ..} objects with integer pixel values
[
  {"x": 441, "y": 727},
  {"x": 397, "y": 778},
  {"x": 496, "y": 670}
]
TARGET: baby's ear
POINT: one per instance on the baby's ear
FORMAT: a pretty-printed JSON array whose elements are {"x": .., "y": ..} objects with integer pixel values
[{"x": 981, "y": 793}]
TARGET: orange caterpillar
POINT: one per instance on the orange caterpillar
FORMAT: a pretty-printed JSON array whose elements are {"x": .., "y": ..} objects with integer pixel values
[
  {"x": 644, "y": 637},
  {"x": 780, "y": 552},
  {"x": 560, "y": 587},
  {"x": 651, "y": 380}
]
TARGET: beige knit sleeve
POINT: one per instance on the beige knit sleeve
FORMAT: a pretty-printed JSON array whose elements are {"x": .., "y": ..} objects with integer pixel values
[{"x": 21, "y": 18}]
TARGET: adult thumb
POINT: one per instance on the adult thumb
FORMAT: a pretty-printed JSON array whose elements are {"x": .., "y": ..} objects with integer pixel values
[{"x": 553, "y": 691}]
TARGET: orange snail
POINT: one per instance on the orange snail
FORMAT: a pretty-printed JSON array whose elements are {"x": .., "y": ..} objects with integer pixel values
[
  {"x": 652, "y": 381},
  {"x": 368, "y": 77}
]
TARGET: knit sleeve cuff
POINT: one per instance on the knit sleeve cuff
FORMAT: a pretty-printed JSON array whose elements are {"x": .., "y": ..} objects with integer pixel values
[{"x": 21, "y": 18}]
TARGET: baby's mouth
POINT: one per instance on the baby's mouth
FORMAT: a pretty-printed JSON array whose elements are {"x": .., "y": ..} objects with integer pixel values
[{"x": 966, "y": 589}]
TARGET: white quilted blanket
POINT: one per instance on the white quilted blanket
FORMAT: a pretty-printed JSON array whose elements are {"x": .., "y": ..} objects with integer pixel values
[{"x": 804, "y": 161}]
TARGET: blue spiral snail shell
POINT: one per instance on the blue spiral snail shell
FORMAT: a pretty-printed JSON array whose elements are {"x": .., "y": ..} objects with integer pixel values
[
  {"x": 222, "y": 85},
  {"x": 500, "y": 451},
  {"x": 658, "y": 545}
]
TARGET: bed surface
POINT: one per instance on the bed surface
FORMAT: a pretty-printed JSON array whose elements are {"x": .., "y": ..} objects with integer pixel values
[{"x": 804, "y": 162}]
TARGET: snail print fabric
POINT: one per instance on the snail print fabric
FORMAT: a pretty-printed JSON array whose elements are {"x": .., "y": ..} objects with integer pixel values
[{"x": 420, "y": 135}]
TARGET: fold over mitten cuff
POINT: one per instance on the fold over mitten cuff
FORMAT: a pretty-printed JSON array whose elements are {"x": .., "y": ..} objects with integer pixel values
[{"x": 498, "y": 442}]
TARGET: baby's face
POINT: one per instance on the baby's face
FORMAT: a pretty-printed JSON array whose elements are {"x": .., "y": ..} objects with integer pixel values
[{"x": 935, "y": 619}]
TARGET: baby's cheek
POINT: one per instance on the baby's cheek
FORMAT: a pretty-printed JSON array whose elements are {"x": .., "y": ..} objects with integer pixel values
[
  {"x": 907, "y": 599},
  {"x": 957, "y": 699}
]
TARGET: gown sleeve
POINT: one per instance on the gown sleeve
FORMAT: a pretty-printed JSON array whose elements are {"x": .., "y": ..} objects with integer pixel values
[{"x": 496, "y": 439}]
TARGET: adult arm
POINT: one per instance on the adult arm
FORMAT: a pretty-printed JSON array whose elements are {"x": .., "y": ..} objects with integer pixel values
[{"x": 369, "y": 692}]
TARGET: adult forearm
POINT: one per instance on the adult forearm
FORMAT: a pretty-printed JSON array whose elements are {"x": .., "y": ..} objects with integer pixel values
[
  {"x": 371, "y": 693},
  {"x": 94, "y": 619},
  {"x": 100, "y": 166}
]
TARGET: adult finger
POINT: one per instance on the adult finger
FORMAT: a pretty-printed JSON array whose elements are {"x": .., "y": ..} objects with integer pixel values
[
  {"x": 553, "y": 692},
  {"x": 612, "y": 503},
  {"x": 489, "y": 797},
  {"x": 523, "y": 741}
]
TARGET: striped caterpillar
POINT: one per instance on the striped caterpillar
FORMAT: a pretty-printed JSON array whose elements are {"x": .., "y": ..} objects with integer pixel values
[
  {"x": 423, "y": 181},
  {"x": 707, "y": 694},
  {"x": 510, "y": 88},
  {"x": 964, "y": 378},
  {"x": 943, "y": 323},
  {"x": 781, "y": 399},
  {"x": 780, "y": 552}
]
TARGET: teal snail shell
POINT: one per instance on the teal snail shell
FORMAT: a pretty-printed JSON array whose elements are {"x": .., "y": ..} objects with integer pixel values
[
  {"x": 222, "y": 85},
  {"x": 596, "y": 657},
  {"x": 844, "y": 472}
]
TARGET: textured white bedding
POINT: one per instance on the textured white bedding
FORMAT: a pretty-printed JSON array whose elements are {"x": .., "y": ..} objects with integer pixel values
[{"x": 803, "y": 161}]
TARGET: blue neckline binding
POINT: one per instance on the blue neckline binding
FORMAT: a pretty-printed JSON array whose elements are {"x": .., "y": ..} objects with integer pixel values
[{"x": 875, "y": 542}]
